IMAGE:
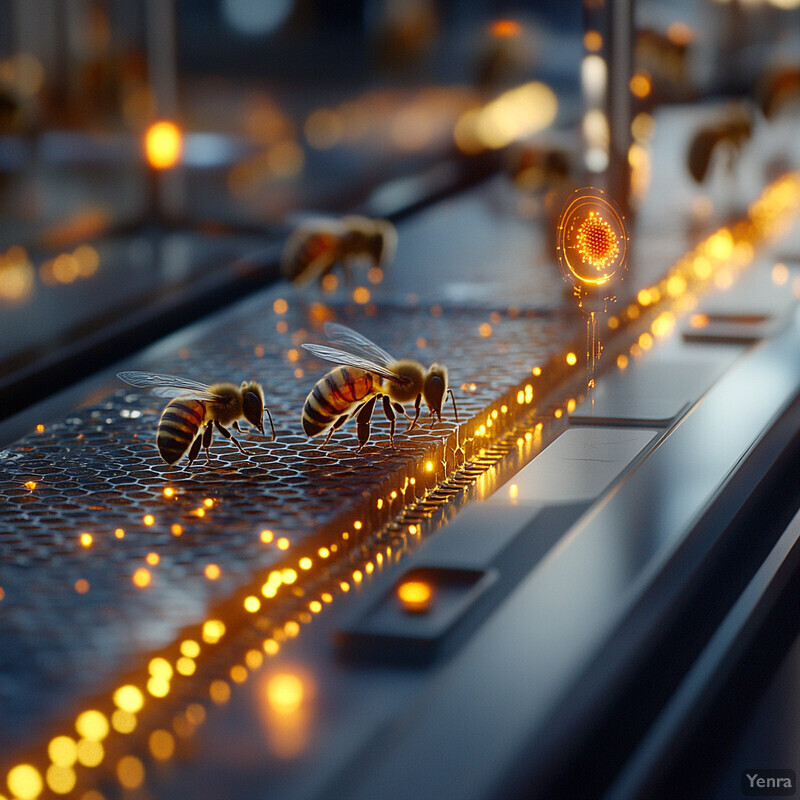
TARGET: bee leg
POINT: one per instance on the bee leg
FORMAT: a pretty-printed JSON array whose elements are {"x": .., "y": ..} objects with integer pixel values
[
  {"x": 388, "y": 411},
  {"x": 228, "y": 435},
  {"x": 194, "y": 450},
  {"x": 335, "y": 427},
  {"x": 363, "y": 419},
  {"x": 236, "y": 426},
  {"x": 208, "y": 435},
  {"x": 414, "y": 421}
]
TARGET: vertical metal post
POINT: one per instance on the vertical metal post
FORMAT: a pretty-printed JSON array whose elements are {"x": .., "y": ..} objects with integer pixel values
[
  {"x": 165, "y": 189},
  {"x": 609, "y": 37}
]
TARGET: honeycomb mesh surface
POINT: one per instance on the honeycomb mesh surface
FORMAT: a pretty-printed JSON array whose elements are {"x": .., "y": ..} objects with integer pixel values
[{"x": 73, "y": 616}]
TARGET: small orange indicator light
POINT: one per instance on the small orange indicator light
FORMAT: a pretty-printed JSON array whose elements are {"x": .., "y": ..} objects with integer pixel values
[
  {"x": 415, "y": 596},
  {"x": 163, "y": 144}
]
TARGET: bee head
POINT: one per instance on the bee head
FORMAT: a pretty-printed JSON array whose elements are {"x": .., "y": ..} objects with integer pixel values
[
  {"x": 434, "y": 388},
  {"x": 253, "y": 404}
]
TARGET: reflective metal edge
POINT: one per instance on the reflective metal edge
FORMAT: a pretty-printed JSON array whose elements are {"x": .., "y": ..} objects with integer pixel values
[{"x": 573, "y": 602}]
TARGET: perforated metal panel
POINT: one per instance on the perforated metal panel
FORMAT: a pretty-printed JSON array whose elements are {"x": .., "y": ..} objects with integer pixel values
[{"x": 73, "y": 617}]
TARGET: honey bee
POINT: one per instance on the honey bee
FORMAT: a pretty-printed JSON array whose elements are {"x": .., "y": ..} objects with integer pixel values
[
  {"x": 733, "y": 128},
  {"x": 315, "y": 248},
  {"x": 189, "y": 419},
  {"x": 365, "y": 373}
]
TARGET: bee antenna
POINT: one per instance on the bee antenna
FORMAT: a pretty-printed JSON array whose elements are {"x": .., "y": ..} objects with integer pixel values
[
  {"x": 270, "y": 421},
  {"x": 455, "y": 410}
]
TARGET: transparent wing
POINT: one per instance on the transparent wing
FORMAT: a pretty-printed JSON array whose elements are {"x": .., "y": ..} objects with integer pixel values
[
  {"x": 357, "y": 344},
  {"x": 347, "y": 359},
  {"x": 166, "y": 385}
]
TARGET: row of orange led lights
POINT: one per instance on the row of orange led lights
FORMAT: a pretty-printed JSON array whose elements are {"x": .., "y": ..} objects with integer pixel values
[
  {"x": 66, "y": 754},
  {"x": 18, "y": 274},
  {"x": 713, "y": 263}
]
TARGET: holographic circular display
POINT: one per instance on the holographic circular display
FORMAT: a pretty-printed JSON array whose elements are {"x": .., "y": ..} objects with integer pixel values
[{"x": 592, "y": 240}]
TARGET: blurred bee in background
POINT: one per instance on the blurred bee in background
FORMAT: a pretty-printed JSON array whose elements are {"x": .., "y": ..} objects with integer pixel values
[
  {"x": 733, "y": 128},
  {"x": 779, "y": 91},
  {"x": 365, "y": 373},
  {"x": 188, "y": 421},
  {"x": 316, "y": 248}
]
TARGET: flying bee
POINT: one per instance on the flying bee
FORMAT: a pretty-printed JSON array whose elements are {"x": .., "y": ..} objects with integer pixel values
[
  {"x": 315, "y": 248},
  {"x": 189, "y": 419},
  {"x": 365, "y": 373}
]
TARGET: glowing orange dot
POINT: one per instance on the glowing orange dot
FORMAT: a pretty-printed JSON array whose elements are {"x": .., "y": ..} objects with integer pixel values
[
  {"x": 283, "y": 543},
  {"x": 148, "y": 519},
  {"x": 572, "y": 359},
  {"x": 163, "y": 144},
  {"x": 176, "y": 529},
  {"x": 596, "y": 241},
  {"x": 505, "y": 28},
  {"x": 199, "y": 512},
  {"x": 361, "y": 295},
  {"x": 30, "y": 485},
  {"x": 267, "y": 536},
  {"x": 212, "y": 572},
  {"x": 141, "y": 577},
  {"x": 280, "y": 306},
  {"x": 485, "y": 330},
  {"x": 415, "y": 596},
  {"x": 640, "y": 84},
  {"x": 169, "y": 492},
  {"x": 592, "y": 41},
  {"x": 81, "y": 586},
  {"x": 152, "y": 559},
  {"x": 208, "y": 502},
  {"x": 40, "y": 428},
  {"x": 119, "y": 533},
  {"x": 86, "y": 539}
]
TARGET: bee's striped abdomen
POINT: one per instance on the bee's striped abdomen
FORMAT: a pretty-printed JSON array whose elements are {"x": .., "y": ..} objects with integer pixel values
[
  {"x": 333, "y": 396},
  {"x": 178, "y": 427}
]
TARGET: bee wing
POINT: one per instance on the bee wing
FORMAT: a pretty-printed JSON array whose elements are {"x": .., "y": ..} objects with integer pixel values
[
  {"x": 347, "y": 359},
  {"x": 166, "y": 385},
  {"x": 357, "y": 344}
]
